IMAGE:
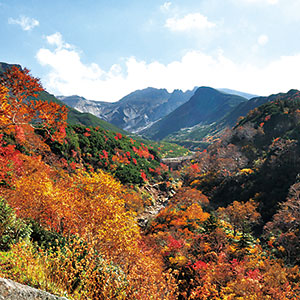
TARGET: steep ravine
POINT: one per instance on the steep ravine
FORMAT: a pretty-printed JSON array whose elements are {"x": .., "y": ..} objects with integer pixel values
[
  {"x": 159, "y": 193},
  {"x": 160, "y": 199}
]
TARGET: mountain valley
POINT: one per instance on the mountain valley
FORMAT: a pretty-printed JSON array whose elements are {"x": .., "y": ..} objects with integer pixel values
[{"x": 91, "y": 211}]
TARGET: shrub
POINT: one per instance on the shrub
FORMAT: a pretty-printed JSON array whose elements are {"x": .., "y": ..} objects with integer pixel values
[{"x": 12, "y": 229}]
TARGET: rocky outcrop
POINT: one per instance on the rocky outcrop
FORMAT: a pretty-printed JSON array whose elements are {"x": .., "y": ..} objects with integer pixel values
[{"x": 10, "y": 290}]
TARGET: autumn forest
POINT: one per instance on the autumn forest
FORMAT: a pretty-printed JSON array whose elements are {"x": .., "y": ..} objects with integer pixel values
[{"x": 72, "y": 197}]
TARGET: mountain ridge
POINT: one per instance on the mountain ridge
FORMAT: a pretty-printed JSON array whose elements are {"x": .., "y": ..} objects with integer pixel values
[
  {"x": 206, "y": 106},
  {"x": 134, "y": 111},
  {"x": 239, "y": 93}
]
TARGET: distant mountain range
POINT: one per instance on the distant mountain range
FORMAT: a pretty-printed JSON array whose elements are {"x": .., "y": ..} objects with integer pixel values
[
  {"x": 135, "y": 111},
  {"x": 177, "y": 116},
  {"x": 83, "y": 118}
]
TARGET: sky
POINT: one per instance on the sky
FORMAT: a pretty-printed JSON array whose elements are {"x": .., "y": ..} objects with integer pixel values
[{"x": 105, "y": 49}]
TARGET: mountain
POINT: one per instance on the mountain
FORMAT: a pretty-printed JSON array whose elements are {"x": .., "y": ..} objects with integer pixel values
[
  {"x": 242, "y": 94},
  {"x": 135, "y": 111},
  {"x": 226, "y": 223},
  {"x": 74, "y": 116},
  {"x": 200, "y": 133},
  {"x": 206, "y": 106}
]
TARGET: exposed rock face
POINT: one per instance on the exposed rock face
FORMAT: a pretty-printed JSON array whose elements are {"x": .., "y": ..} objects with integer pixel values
[{"x": 10, "y": 290}]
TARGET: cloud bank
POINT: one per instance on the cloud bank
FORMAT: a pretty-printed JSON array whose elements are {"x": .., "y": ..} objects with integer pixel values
[{"x": 68, "y": 75}]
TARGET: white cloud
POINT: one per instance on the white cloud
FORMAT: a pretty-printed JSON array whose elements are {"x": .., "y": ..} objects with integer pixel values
[
  {"x": 56, "y": 39},
  {"x": 194, "y": 21},
  {"x": 26, "y": 23},
  {"x": 263, "y": 40},
  {"x": 69, "y": 75},
  {"x": 166, "y": 6}
]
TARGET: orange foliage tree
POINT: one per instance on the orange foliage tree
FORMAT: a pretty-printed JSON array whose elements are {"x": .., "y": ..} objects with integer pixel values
[
  {"x": 254, "y": 277},
  {"x": 240, "y": 215},
  {"x": 175, "y": 233},
  {"x": 21, "y": 112}
]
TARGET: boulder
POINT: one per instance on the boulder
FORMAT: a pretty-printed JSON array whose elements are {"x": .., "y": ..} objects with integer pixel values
[{"x": 10, "y": 290}]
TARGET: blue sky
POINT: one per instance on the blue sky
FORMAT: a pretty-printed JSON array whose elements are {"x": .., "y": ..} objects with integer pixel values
[{"x": 105, "y": 49}]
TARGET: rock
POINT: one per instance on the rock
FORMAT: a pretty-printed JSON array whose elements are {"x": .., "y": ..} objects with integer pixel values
[
  {"x": 160, "y": 196},
  {"x": 10, "y": 290},
  {"x": 142, "y": 222}
]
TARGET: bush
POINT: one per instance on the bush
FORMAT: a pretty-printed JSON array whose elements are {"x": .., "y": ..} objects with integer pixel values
[
  {"x": 45, "y": 238},
  {"x": 12, "y": 229}
]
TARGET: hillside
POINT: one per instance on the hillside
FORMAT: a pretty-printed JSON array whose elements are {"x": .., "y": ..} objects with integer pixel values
[
  {"x": 243, "y": 109},
  {"x": 135, "y": 111},
  {"x": 202, "y": 135},
  {"x": 74, "y": 116},
  {"x": 239, "y": 208},
  {"x": 266, "y": 143},
  {"x": 206, "y": 106},
  {"x": 5, "y": 67}
]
